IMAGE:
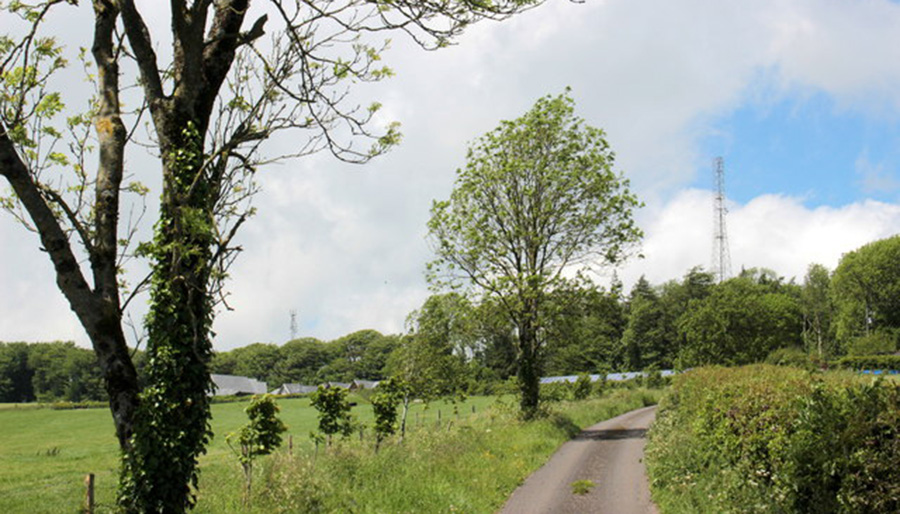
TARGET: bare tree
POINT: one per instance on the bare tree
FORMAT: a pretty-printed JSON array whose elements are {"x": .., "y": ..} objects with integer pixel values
[{"x": 223, "y": 92}]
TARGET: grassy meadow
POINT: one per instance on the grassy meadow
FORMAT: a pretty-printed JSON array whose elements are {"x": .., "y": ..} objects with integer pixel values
[
  {"x": 45, "y": 453},
  {"x": 470, "y": 462}
]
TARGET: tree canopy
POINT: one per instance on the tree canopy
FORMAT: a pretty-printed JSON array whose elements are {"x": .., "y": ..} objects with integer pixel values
[
  {"x": 865, "y": 290},
  {"x": 537, "y": 199},
  {"x": 741, "y": 321}
]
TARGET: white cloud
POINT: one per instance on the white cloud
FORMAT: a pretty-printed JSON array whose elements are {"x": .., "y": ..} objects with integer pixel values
[
  {"x": 875, "y": 177},
  {"x": 771, "y": 231},
  {"x": 343, "y": 245}
]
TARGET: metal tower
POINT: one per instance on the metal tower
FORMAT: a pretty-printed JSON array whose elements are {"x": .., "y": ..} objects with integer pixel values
[
  {"x": 293, "y": 325},
  {"x": 721, "y": 258}
]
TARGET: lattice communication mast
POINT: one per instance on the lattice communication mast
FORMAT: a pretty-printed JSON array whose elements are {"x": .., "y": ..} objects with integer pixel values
[
  {"x": 721, "y": 255},
  {"x": 293, "y": 325}
]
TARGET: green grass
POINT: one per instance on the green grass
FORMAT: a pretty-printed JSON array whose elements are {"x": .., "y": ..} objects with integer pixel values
[
  {"x": 472, "y": 465},
  {"x": 45, "y": 453}
]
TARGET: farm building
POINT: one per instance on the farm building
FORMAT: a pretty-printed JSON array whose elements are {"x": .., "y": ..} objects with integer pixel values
[
  {"x": 613, "y": 377},
  {"x": 232, "y": 385},
  {"x": 363, "y": 384},
  {"x": 295, "y": 389},
  {"x": 307, "y": 389}
]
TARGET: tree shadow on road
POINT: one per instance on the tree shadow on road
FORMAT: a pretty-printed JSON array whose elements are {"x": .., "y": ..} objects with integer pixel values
[
  {"x": 565, "y": 424},
  {"x": 614, "y": 434}
]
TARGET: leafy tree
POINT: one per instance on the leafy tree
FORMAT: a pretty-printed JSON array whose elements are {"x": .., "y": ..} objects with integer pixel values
[
  {"x": 300, "y": 360},
  {"x": 85, "y": 381},
  {"x": 257, "y": 360},
  {"x": 428, "y": 361},
  {"x": 538, "y": 197},
  {"x": 582, "y": 387},
  {"x": 62, "y": 371},
  {"x": 818, "y": 310},
  {"x": 211, "y": 102},
  {"x": 645, "y": 339},
  {"x": 224, "y": 363},
  {"x": 385, "y": 401},
  {"x": 494, "y": 351},
  {"x": 675, "y": 299},
  {"x": 15, "y": 374},
  {"x": 334, "y": 412},
  {"x": 50, "y": 376},
  {"x": 865, "y": 289},
  {"x": 584, "y": 330},
  {"x": 741, "y": 321},
  {"x": 260, "y": 436},
  {"x": 366, "y": 353},
  {"x": 878, "y": 342}
]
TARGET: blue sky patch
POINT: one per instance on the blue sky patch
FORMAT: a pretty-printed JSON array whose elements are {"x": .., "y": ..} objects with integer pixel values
[{"x": 808, "y": 148}]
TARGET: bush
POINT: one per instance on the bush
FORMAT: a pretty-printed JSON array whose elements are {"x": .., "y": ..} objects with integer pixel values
[
  {"x": 334, "y": 412},
  {"x": 385, "y": 400},
  {"x": 582, "y": 387},
  {"x": 769, "y": 439},
  {"x": 555, "y": 392},
  {"x": 877, "y": 343},
  {"x": 791, "y": 356},
  {"x": 653, "y": 378},
  {"x": 871, "y": 362}
]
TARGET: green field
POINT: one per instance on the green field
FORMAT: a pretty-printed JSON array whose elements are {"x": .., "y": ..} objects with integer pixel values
[
  {"x": 45, "y": 454},
  {"x": 470, "y": 462}
]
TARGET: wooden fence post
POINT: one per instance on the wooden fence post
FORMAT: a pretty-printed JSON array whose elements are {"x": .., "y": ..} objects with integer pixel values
[
  {"x": 291, "y": 445},
  {"x": 89, "y": 493}
]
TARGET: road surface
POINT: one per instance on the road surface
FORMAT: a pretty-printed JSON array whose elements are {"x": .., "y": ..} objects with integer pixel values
[{"x": 609, "y": 454}]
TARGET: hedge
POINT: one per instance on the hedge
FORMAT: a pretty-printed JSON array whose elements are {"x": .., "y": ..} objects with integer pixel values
[
  {"x": 871, "y": 362},
  {"x": 772, "y": 439}
]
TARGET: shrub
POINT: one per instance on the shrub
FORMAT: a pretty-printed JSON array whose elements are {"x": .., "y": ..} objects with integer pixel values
[
  {"x": 769, "y": 439},
  {"x": 334, "y": 412},
  {"x": 653, "y": 378},
  {"x": 582, "y": 387},
  {"x": 790, "y": 356},
  {"x": 877, "y": 343},
  {"x": 555, "y": 392},
  {"x": 385, "y": 401},
  {"x": 871, "y": 362},
  {"x": 260, "y": 436}
]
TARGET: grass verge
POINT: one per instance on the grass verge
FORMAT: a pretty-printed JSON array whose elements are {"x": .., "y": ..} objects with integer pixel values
[{"x": 471, "y": 466}]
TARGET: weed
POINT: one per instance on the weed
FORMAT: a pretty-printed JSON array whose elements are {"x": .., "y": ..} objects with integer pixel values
[{"x": 582, "y": 487}]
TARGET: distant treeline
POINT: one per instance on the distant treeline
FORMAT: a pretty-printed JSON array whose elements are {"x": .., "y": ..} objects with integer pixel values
[
  {"x": 755, "y": 316},
  {"x": 49, "y": 372}
]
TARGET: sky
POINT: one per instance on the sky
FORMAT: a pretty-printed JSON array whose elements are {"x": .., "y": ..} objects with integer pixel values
[{"x": 801, "y": 98}]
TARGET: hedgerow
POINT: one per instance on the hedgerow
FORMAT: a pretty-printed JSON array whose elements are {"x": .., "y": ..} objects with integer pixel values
[
  {"x": 773, "y": 439},
  {"x": 871, "y": 362}
]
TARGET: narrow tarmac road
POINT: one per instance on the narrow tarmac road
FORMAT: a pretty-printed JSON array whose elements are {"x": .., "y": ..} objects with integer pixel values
[{"x": 609, "y": 454}]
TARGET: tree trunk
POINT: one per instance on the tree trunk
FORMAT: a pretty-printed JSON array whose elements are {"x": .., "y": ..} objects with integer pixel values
[
  {"x": 529, "y": 370},
  {"x": 406, "y": 399},
  {"x": 173, "y": 421}
]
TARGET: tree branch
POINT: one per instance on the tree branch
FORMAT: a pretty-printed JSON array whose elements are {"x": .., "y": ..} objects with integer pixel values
[
  {"x": 69, "y": 277},
  {"x": 142, "y": 46},
  {"x": 111, "y": 135}
]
